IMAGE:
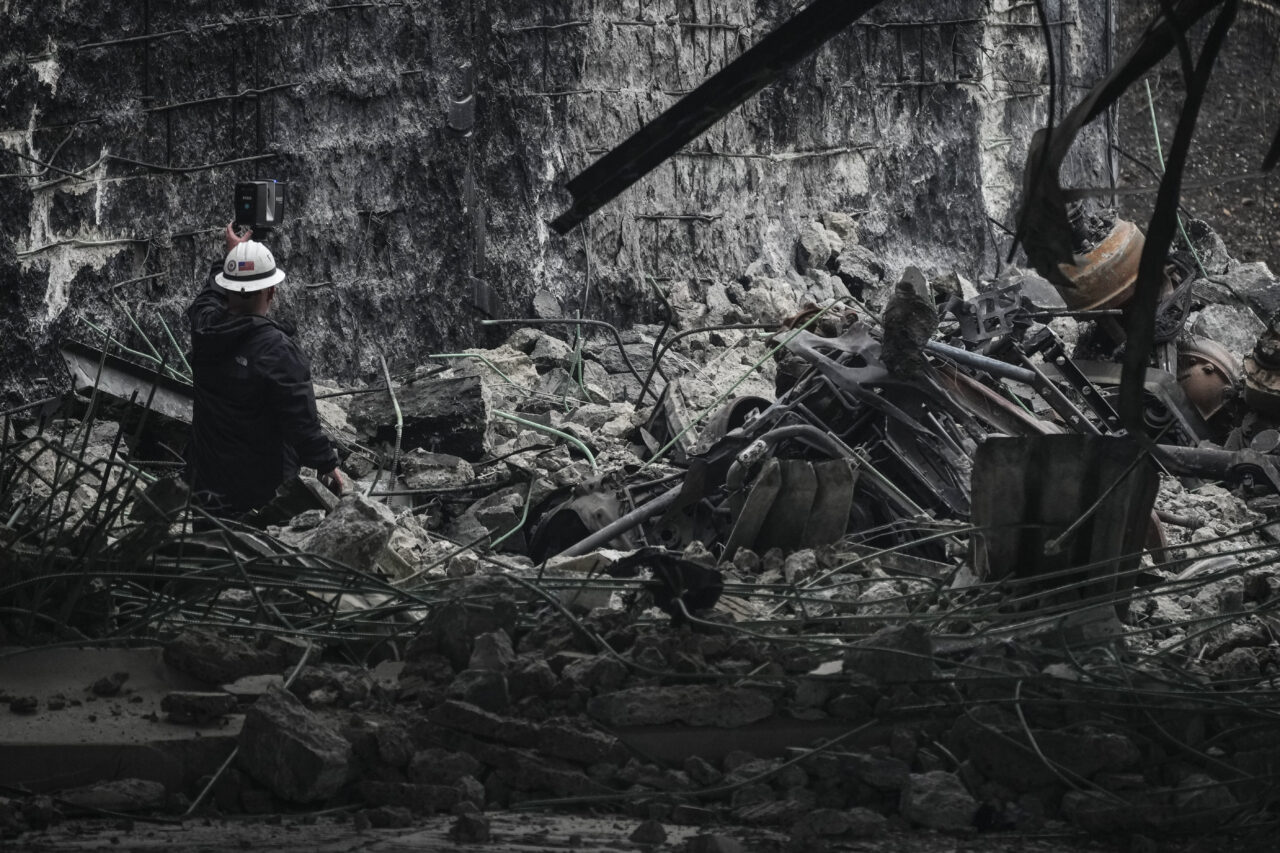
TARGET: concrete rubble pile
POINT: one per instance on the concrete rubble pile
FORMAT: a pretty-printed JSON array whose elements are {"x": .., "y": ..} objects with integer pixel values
[{"x": 865, "y": 549}]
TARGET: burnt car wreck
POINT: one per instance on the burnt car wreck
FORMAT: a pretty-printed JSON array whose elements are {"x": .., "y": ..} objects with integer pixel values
[{"x": 898, "y": 551}]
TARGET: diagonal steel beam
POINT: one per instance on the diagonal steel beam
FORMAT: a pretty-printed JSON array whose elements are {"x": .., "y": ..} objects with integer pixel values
[{"x": 689, "y": 117}]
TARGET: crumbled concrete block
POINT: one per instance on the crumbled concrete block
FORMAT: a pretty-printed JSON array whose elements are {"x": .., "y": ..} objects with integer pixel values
[
  {"x": 821, "y": 823},
  {"x": 686, "y": 815},
  {"x": 468, "y": 718},
  {"x": 492, "y": 652},
  {"x": 443, "y": 766},
  {"x": 215, "y": 659},
  {"x": 470, "y": 829},
  {"x": 937, "y": 800},
  {"x": 196, "y": 707},
  {"x": 421, "y": 799},
  {"x": 579, "y": 745},
  {"x": 772, "y": 813},
  {"x": 110, "y": 685},
  {"x": 119, "y": 795},
  {"x": 481, "y": 687},
  {"x": 894, "y": 654},
  {"x": 531, "y": 678},
  {"x": 649, "y": 833},
  {"x": 885, "y": 774},
  {"x": 471, "y": 791},
  {"x": 291, "y": 751},
  {"x": 389, "y": 817},
  {"x": 597, "y": 673},
  {"x": 865, "y": 823},
  {"x": 354, "y": 534},
  {"x": 714, "y": 843},
  {"x": 816, "y": 247},
  {"x": 696, "y": 705}
]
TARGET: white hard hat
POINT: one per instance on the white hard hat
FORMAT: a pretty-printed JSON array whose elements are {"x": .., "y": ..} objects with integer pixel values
[{"x": 249, "y": 267}]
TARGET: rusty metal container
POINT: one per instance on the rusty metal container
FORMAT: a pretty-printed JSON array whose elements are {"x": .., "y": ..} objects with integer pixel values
[
  {"x": 1207, "y": 372},
  {"x": 1106, "y": 278}
]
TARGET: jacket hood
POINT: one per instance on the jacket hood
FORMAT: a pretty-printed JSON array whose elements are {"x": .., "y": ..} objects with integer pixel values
[{"x": 219, "y": 330}]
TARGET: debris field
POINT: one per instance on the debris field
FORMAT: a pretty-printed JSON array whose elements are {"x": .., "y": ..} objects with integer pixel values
[{"x": 820, "y": 573}]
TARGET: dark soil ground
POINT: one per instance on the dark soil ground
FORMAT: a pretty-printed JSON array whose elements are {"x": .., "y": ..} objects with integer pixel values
[{"x": 1240, "y": 117}]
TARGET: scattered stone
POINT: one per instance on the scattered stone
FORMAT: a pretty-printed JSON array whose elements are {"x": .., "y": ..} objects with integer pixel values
[
  {"x": 291, "y": 751},
  {"x": 110, "y": 685}
]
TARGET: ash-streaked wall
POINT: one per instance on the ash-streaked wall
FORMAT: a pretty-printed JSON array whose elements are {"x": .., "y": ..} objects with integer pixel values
[{"x": 146, "y": 113}]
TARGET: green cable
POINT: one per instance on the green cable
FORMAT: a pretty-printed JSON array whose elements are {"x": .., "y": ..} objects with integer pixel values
[
  {"x": 576, "y": 442},
  {"x": 174, "y": 341}
]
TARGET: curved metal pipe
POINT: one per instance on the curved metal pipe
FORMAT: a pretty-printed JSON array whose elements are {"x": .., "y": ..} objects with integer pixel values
[{"x": 616, "y": 528}]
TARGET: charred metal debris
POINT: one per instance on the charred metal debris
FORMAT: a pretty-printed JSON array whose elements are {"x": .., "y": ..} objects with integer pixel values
[
  {"x": 916, "y": 553},
  {"x": 894, "y": 548}
]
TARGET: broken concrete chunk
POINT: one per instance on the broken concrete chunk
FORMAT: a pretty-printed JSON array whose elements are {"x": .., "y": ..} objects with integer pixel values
[
  {"x": 483, "y": 688},
  {"x": 291, "y": 751},
  {"x": 696, "y": 705},
  {"x": 492, "y": 652},
  {"x": 110, "y": 685},
  {"x": 713, "y": 843},
  {"x": 893, "y": 654},
  {"x": 842, "y": 225},
  {"x": 440, "y": 415},
  {"x": 354, "y": 534},
  {"x": 938, "y": 800},
  {"x": 546, "y": 306},
  {"x": 816, "y": 247},
  {"x": 650, "y": 832},
  {"x": 425, "y": 470},
  {"x": 470, "y": 829},
  {"x": 464, "y": 717},
  {"x": 199, "y": 708},
  {"x": 443, "y": 767},
  {"x": 120, "y": 795},
  {"x": 215, "y": 659},
  {"x": 421, "y": 799},
  {"x": 579, "y": 745}
]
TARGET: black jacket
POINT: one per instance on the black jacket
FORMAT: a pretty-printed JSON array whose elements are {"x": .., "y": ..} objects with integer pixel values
[{"x": 254, "y": 419}]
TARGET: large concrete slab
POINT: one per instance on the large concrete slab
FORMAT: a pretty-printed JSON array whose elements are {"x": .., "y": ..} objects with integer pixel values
[{"x": 95, "y": 738}]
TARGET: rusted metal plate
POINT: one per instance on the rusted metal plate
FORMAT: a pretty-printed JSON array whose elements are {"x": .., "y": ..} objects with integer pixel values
[{"x": 1090, "y": 496}]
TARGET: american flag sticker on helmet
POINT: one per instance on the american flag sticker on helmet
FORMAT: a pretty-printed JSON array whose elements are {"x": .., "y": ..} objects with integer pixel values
[{"x": 245, "y": 266}]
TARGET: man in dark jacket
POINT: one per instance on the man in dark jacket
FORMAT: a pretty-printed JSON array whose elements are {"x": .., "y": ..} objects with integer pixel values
[{"x": 254, "y": 421}]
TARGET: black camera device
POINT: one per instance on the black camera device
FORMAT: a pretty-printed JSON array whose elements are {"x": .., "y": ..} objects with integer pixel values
[{"x": 259, "y": 205}]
